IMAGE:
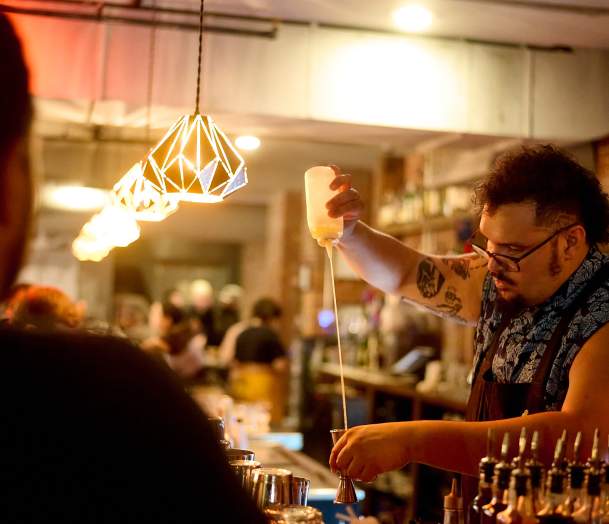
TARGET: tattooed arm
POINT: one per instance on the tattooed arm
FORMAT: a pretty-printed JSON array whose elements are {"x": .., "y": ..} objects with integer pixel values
[{"x": 448, "y": 286}]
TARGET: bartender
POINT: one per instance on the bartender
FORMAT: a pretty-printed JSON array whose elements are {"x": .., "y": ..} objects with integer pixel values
[{"x": 536, "y": 287}]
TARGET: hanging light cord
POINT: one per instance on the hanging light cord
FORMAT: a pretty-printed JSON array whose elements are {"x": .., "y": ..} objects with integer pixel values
[
  {"x": 200, "y": 56},
  {"x": 152, "y": 52}
]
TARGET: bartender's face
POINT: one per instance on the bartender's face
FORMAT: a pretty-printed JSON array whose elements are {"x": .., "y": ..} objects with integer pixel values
[{"x": 512, "y": 230}]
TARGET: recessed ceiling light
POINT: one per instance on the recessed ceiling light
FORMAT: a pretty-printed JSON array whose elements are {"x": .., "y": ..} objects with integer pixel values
[
  {"x": 247, "y": 142},
  {"x": 413, "y": 17},
  {"x": 73, "y": 198}
]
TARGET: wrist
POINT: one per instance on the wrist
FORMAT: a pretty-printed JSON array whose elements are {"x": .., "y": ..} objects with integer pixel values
[{"x": 350, "y": 232}]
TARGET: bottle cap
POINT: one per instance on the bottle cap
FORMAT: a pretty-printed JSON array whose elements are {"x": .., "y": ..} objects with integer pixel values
[{"x": 453, "y": 501}]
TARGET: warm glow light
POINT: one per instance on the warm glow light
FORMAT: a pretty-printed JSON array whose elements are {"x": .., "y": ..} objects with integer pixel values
[
  {"x": 413, "y": 18},
  {"x": 113, "y": 226},
  {"x": 137, "y": 195},
  {"x": 247, "y": 142},
  {"x": 87, "y": 249},
  {"x": 73, "y": 198},
  {"x": 195, "y": 162}
]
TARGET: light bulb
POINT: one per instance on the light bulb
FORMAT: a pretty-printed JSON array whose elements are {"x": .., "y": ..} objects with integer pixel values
[
  {"x": 247, "y": 142},
  {"x": 413, "y": 17}
]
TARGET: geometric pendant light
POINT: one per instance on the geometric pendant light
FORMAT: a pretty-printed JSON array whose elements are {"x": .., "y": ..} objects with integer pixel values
[
  {"x": 139, "y": 196},
  {"x": 195, "y": 161}
]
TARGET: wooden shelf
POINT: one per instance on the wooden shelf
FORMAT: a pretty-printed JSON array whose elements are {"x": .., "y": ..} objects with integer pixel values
[
  {"x": 429, "y": 224},
  {"x": 382, "y": 382}
]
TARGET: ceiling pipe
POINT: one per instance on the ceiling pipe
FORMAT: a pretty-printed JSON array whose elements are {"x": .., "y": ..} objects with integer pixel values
[
  {"x": 99, "y": 15},
  {"x": 588, "y": 10}
]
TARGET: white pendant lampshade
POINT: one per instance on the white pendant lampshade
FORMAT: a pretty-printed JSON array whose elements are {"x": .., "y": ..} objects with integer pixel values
[
  {"x": 195, "y": 162},
  {"x": 134, "y": 193}
]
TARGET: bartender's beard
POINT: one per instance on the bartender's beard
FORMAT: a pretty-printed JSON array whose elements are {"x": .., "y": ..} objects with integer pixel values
[{"x": 514, "y": 301}]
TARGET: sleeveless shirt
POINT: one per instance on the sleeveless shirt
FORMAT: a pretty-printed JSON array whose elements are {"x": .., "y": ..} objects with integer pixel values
[{"x": 524, "y": 340}]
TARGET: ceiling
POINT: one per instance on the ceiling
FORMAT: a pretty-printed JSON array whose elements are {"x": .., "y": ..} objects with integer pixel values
[
  {"x": 575, "y": 23},
  {"x": 290, "y": 145}
]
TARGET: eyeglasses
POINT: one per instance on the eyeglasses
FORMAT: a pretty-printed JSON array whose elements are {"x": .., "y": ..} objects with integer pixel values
[{"x": 507, "y": 262}]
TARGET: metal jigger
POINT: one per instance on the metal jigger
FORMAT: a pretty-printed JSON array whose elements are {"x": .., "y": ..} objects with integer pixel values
[{"x": 345, "y": 493}]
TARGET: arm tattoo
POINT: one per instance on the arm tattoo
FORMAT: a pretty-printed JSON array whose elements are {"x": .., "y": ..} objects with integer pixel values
[
  {"x": 462, "y": 267},
  {"x": 451, "y": 307},
  {"x": 452, "y": 302},
  {"x": 429, "y": 278},
  {"x": 458, "y": 266}
]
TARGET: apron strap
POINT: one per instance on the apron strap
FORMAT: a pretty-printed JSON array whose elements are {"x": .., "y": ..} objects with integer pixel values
[
  {"x": 553, "y": 347},
  {"x": 487, "y": 361}
]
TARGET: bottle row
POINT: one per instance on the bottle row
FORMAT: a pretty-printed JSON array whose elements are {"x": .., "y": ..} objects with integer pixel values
[{"x": 524, "y": 491}]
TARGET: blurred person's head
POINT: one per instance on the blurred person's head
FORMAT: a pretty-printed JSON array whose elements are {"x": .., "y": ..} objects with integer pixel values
[
  {"x": 175, "y": 297},
  {"x": 45, "y": 307},
  {"x": 172, "y": 315},
  {"x": 230, "y": 296},
  {"x": 15, "y": 178},
  {"x": 131, "y": 314},
  {"x": 201, "y": 294},
  {"x": 8, "y": 305},
  {"x": 267, "y": 311}
]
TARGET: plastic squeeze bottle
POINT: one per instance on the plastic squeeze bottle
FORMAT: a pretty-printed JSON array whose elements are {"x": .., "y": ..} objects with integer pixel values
[{"x": 324, "y": 229}]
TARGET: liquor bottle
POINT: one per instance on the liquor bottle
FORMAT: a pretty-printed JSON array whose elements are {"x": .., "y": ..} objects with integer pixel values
[
  {"x": 605, "y": 493},
  {"x": 520, "y": 505},
  {"x": 555, "y": 495},
  {"x": 564, "y": 461},
  {"x": 576, "y": 472},
  {"x": 485, "y": 487},
  {"x": 537, "y": 471},
  {"x": 453, "y": 506},
  {"x": 591, "y": 510},
  {"x": 501, "y": 484}
]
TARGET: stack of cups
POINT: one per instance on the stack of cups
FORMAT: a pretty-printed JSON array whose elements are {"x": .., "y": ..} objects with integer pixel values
[{"x": 281, "y": 496}]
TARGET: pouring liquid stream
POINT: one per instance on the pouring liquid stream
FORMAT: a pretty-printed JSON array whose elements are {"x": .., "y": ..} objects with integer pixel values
[{"x": 328, "y": 246}]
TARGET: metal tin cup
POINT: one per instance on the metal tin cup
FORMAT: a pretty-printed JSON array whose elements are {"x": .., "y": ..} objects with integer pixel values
[
  {"x": 239, "y": 454},
  {"x": 271, "y": 486},
  {"x": 345, "y": 493},
  {"x": 300, "y": 490},
  {"x": 244, "y": 469}
]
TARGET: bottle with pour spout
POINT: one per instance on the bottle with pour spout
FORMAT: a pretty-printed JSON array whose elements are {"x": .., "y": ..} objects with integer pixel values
[
  {"x": 485, "y": 487},
  {"x": 501, "y": 485},
  {"x": 325, "y": 229}
]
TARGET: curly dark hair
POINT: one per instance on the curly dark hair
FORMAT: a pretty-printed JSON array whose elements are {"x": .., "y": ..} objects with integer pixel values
[{"x": 554, "y": 181}]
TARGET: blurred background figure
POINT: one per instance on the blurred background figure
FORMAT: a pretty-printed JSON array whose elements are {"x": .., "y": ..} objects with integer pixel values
[
  {"x": 229, "y": 308},
  {"x": 44, "y": 307},
  {"x": 259, "y": 369},
  {"x": 175, "y": 296},
  {"x": 176, "y": 343},
  {"x": 202, "y": 310},
  {"x": 131, "y": 316},
  {"x": 8, "y": 304}
]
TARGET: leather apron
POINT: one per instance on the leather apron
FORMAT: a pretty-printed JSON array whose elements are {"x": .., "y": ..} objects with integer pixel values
[{"x": 490, "y": 400}]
